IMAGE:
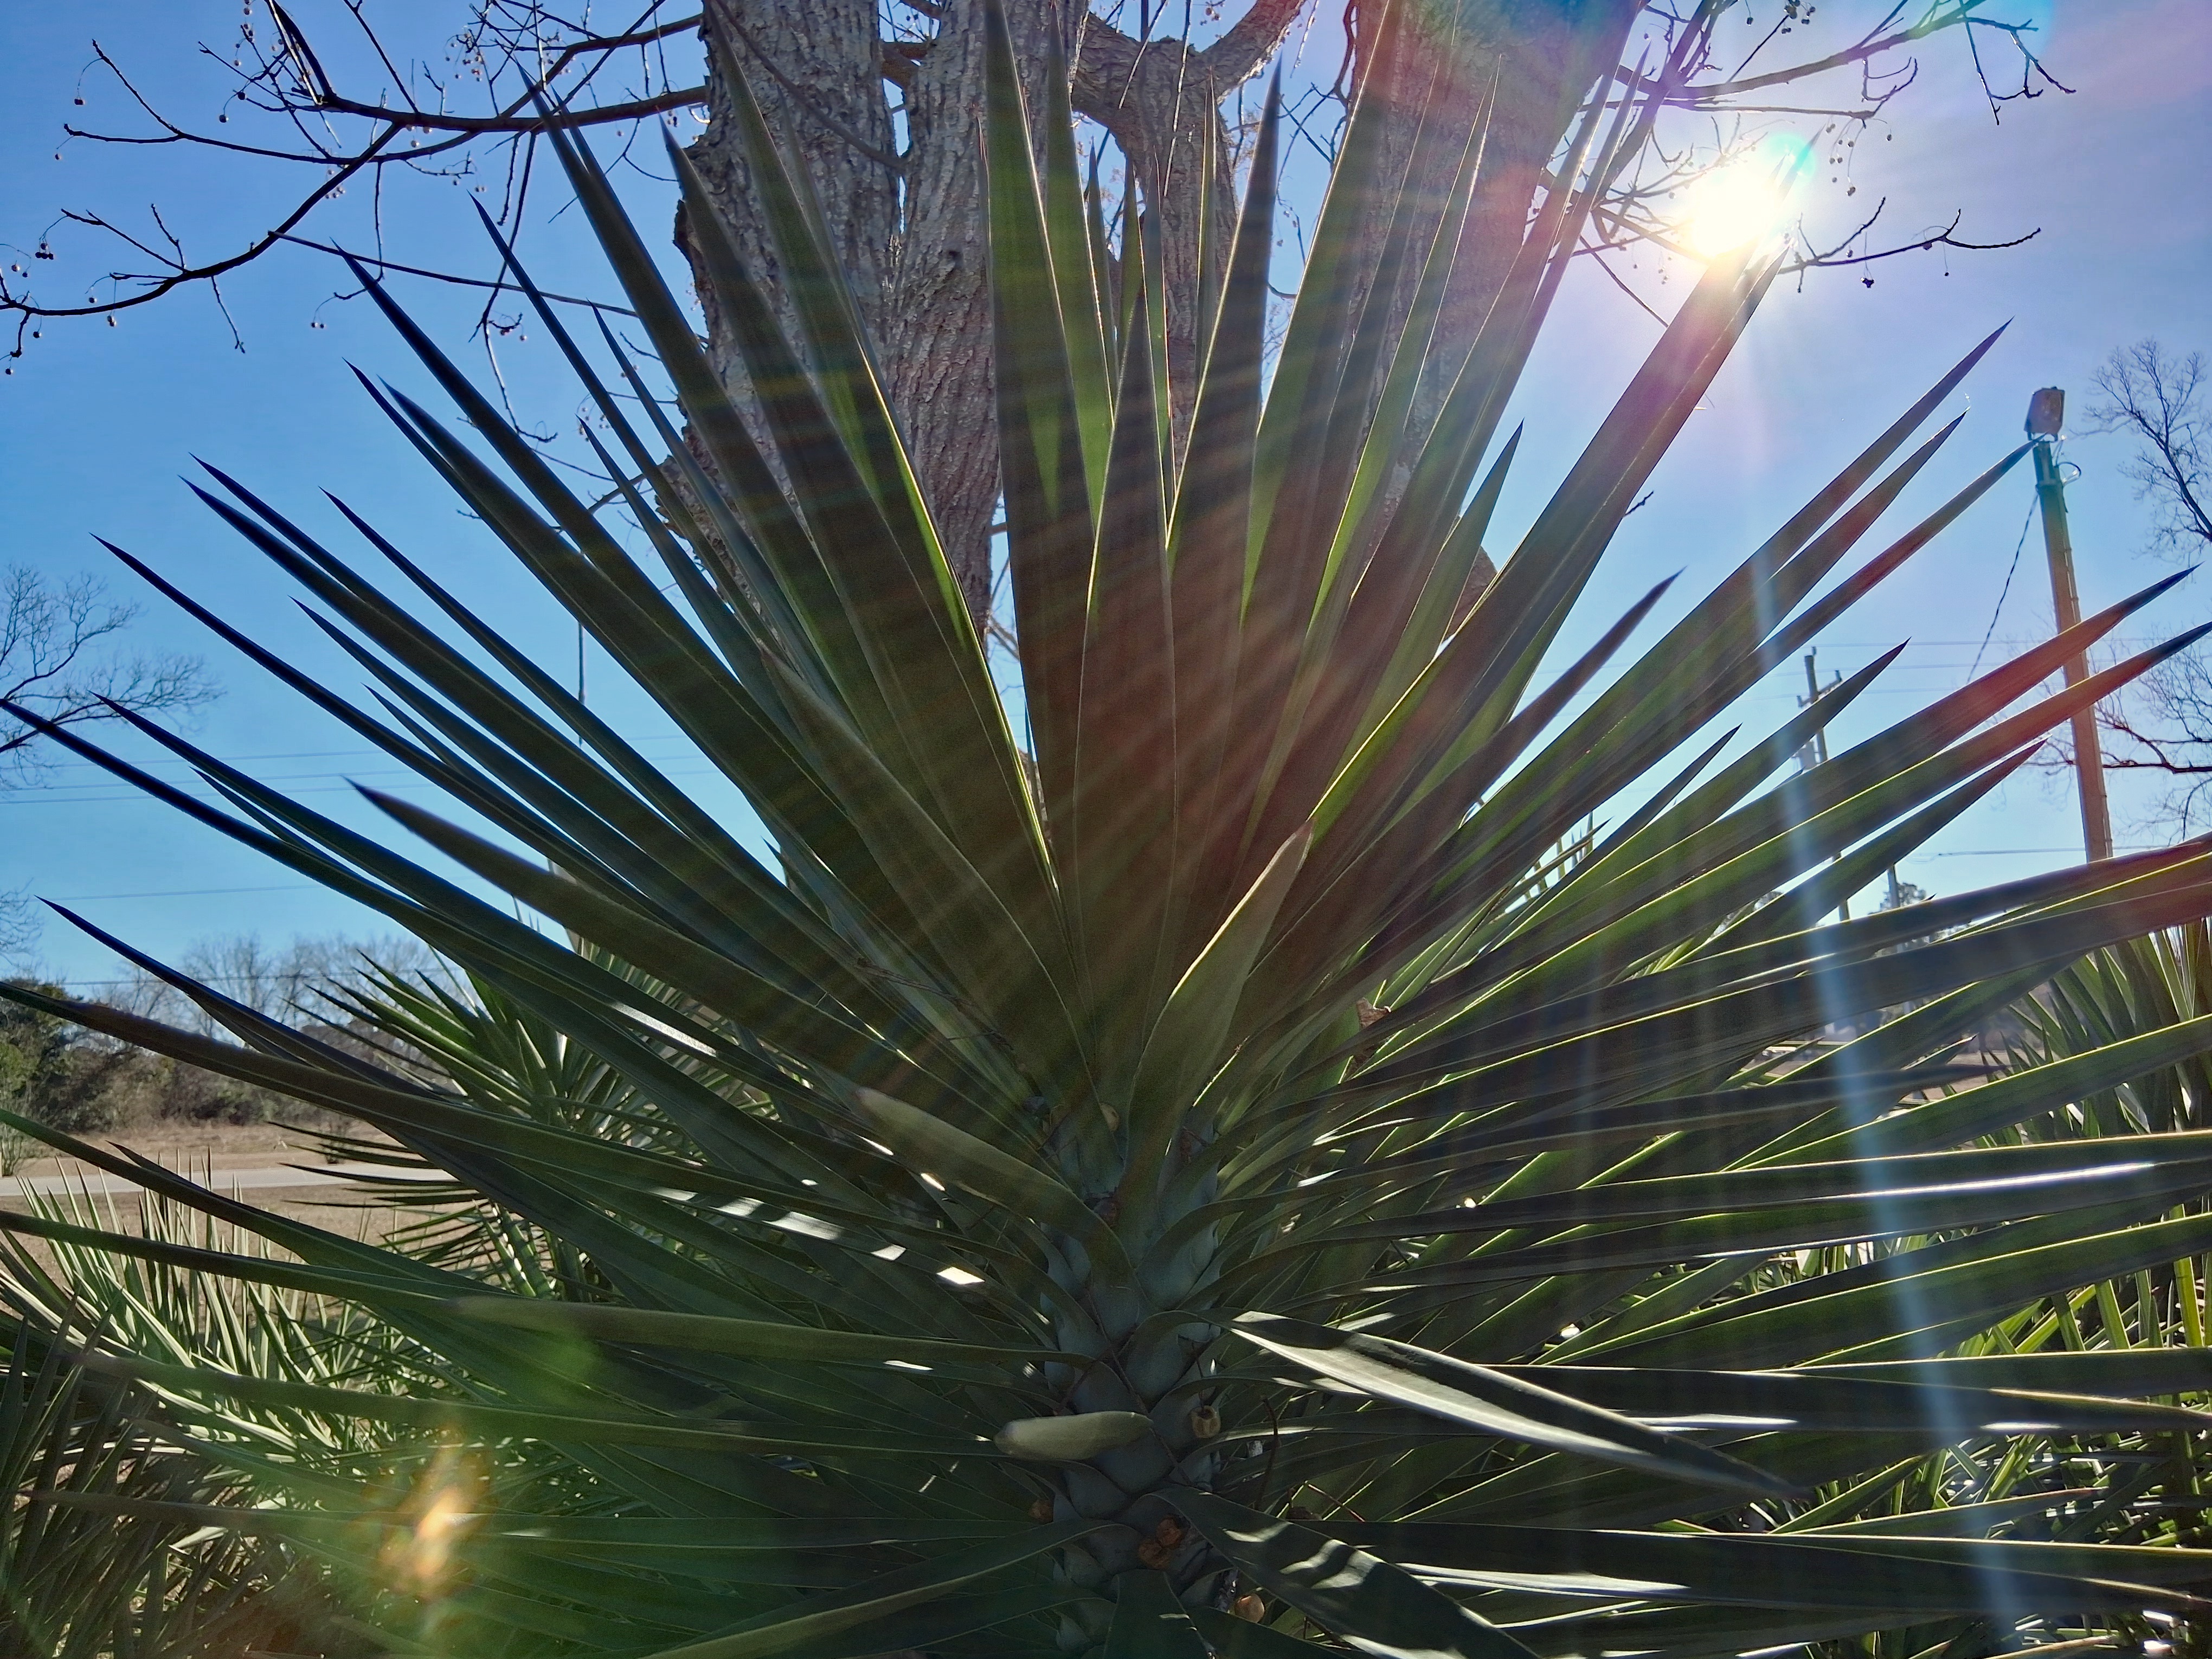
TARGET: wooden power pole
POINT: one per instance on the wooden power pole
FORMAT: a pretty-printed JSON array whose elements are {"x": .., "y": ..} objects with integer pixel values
[
  {"x": 2046, "y": 418},
  {"x": 1815, "y": 753}
]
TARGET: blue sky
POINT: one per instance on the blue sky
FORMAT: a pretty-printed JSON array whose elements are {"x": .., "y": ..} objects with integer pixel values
[{"x": 99, "y": 423}]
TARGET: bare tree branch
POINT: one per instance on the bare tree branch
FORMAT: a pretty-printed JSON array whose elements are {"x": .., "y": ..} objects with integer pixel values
[
  {"x": 1838, "y": 255},
  {"x": 538, "y": 68},
  {"x": 55, "y": 663},
  {"x": 496, "y": 286},
  {"x": 2163, "y": 726},
  {"x": 539, "y": 71},
  {"x": 1636, "y": 207},
  {"x": 2158, "y": 751},
  {"x": 2159, "y": 401},
  {"x": 1251, "y": 41},
  {"x": 1871, "y": 47}
]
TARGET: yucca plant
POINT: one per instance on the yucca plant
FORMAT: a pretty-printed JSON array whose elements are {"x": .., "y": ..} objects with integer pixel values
[
  {"x": 2127, "y": 991},
  {"x": 2123, "y": 1485},
  {"x": 2136, "y": 985},
  {"x": 100, "y": 1554},
  {"x": 1225, "y": 1160}
]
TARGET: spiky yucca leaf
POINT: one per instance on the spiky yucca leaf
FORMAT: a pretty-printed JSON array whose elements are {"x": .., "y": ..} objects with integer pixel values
[
  {"x": 2117, "y": 1024},
  {"x": 103, "y": 1546},
  {"x": 1215, "y": 1150}
]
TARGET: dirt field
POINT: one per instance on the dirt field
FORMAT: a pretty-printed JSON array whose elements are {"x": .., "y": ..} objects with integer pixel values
[
  {"x": 278, "y": 1169},
  {"x": 230, "y": 1145}
]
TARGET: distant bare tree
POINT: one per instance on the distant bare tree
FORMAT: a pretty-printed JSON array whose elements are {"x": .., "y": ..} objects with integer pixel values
[
  {"x": 308, "y": 984},
  {"x": 57, "y": 663},
  {"x": 302, "y": 984},
  {"x": 2158, "y": 400},
  {"x": 2145, "y": 393},
  {"x": 75, "y": 1080}
]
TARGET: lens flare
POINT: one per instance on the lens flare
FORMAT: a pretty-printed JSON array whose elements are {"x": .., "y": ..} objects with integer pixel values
[
  {"x": 1743, "y": 201},
  {"x": 447, "y": 1503}
]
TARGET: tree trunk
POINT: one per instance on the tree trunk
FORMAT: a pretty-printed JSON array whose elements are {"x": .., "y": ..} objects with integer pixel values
[
  {"x": 909, "y": 225},
  {"x": 1545, "y": 58},
  {"x": 1537, "y": 61},
  {"x": 937, "y": 339},
  {"x": 1162, "y": 102}
]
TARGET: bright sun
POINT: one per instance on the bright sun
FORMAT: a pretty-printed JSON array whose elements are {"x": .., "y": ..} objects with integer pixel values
[{"x": 1743, "y": 201}]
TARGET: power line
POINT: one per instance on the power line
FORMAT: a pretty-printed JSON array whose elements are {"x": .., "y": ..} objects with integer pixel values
[
  {"x": 1884, "y": 645},
  {"x": 2006, "y": 851},
  {"x": 2011, "y": 570},
  {"x": 184, "y": 892},
  {"x": 62, "y": 797}
]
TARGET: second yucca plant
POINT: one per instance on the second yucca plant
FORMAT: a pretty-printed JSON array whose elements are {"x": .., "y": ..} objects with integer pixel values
[{"x": 1207, "y": 1174}]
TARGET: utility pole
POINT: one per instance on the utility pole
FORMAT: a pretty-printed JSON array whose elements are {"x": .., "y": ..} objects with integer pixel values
[
  {"x": 2046, "y": 418},
  {"x": 1815, "y": 753}
]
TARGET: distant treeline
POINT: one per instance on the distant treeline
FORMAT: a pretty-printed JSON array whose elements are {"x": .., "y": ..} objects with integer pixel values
[{"x": 72, "y": 1079}]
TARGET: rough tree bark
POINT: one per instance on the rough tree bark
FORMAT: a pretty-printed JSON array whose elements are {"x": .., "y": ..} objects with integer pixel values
[
  {"x": 1544, "y": 59},
  {"x": 909, "y": 225},
  {"x": 1161, "y": 100},
  {"x": 909, "y": 222}
]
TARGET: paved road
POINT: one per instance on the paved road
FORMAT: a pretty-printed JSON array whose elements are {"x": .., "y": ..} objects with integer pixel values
[{"x": 284, "y": 1177}]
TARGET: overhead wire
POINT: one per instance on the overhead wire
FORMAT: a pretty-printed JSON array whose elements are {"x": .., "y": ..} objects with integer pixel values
[{"x": 2001, "y": 592}]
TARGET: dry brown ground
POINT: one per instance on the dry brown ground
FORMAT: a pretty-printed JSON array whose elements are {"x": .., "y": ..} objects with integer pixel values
[
  {"x": 207, "y": 1152},
  {"x": 178, "y": 1145}
]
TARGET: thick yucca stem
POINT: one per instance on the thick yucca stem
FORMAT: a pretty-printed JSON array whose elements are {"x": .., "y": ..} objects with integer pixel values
[
  {"x": 1156, "y": 1360},
  {"x": 1161, "y": 1372}
]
